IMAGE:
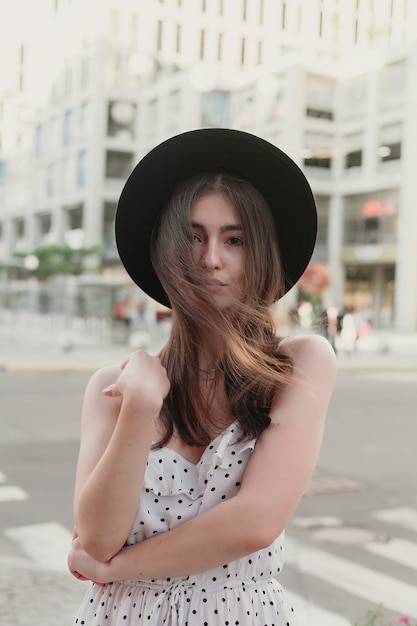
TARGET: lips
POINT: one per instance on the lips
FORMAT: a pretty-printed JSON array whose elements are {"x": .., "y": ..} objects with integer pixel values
[{"x": 214, "y": 285}]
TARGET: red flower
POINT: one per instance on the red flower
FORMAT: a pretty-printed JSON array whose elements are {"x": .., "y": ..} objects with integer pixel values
[{"x": 404, "y": 620}]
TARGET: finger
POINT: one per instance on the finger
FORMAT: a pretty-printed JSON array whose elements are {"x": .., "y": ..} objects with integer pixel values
[
  {"x": 110, "y": 391},
  {"x": 77, "y": 575},
  {"x": 128, "y": 358}
]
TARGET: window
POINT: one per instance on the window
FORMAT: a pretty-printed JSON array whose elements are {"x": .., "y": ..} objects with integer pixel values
[
  {"x": 352, "y": 145},
  {"x": 39, "y": 140},
  {"x": 202, "y": 43},
  {"x": 118, "y": 164},
  {"x": 353, "y": 159},
  {"x": 121, "y": 117},
  {"x": 260, "y": 52},
  {"x": 109, "y": 211},
  {"x": 44, "y": 227},
  {"x": 353, "y": 97},
  {"x": 393, "y": 84},
  {"x": 390, "y": 143},
  {"x": 243, "y": 51},
  {"x": 371, "y": 218},
  {"x": 322, "y": 161},
  {"x": 151, "y": 116},
  {"x": 173, "y": 109},
  {"x": 84, "y": 118},
  {"x": 261, "y": 11},
  {"x": 319, "y": 113},
  {"x": 320, "y": 96},
  {"x": 74, "y": 217},
  {"x": 317, "y": 151},
  {"x": 85, "y": 72},
  {"x": 178, "y": 38},
  {"x": 22, "y": 55},
  {"x": 390, "y": 152},
  {"x": 323, "y": 203},
  {"x": 215, "y": 109},
  {"x": 82, "y": 168},
  {"x": 51, "y": 179},
  {"x": 219, "y": 46},
  {"x": 245, "y": 9},
  {"x": 68, "y": 124},
  {"x": 19, "y": 235},
  {"x": 159, "y": 34},
  {"x": 67, "y": 81}
]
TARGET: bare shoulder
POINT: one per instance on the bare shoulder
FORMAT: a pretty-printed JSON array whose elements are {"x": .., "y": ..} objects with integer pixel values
[
  {"x": 105, "y": 376},
  {"x": 101, "y": 379},
  {"x": 314, "y": 376},
  {"x": 311, "y": 354},
  {"x": 301, "y": 346}
]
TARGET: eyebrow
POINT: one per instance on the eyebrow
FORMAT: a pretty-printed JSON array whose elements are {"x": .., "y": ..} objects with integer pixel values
[{"x": 224, "y": 229}]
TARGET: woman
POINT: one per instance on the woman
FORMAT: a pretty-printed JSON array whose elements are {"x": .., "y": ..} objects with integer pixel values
[{"x": 215, "y": 438}]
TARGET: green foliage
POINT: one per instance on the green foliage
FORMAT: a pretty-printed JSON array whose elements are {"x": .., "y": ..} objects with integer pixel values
[
  {"x": 374, "y": 618},
  {"x": 58, "y": 259}
]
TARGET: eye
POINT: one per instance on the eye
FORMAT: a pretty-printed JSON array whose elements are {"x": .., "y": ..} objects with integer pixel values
[
  {"x": 235, "y": 241},
  {"x": 195, "y": 238}
]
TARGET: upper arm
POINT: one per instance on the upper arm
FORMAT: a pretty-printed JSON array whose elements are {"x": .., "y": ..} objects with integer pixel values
[
  {"x": 287, "y": 451},
  {"x": 98, "y": 419}
]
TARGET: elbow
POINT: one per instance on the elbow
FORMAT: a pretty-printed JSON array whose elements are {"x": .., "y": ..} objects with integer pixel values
[
  {"x": 99, "y": 550},
  {"x": 261, "y": 530},
  {"x": 261, "y": 537}
]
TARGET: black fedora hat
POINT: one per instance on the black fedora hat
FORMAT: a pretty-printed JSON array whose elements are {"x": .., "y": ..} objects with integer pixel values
[{"x": 271, "y": 171}]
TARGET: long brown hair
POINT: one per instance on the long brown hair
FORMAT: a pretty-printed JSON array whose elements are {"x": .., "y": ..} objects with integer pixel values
[{"x": 252, "y": 368}]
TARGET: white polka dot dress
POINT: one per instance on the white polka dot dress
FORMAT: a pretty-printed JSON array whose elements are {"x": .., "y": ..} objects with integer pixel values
[{"x": 244, "y": 592}]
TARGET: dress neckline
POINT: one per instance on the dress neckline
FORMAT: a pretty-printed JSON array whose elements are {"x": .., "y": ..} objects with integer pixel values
[{"x": 209, "y": 447}]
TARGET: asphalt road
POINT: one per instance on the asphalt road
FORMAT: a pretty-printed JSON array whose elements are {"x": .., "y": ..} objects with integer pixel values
[{"x": 367, "y": 467}]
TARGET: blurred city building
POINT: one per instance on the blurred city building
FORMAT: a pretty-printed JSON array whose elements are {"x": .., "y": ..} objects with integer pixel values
[{"x": 89, "y": 86}]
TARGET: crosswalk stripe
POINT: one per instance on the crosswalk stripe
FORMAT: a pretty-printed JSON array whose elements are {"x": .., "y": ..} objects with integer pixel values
[
  {"x": 313, "y": 615},
  {"x": 398, "y": 550},
  {"x": 354, "y": 578},
  {"x": 46, "y": 544},
  {"x": 403, "y": 516},
  {"x": 9, "y": 493}
]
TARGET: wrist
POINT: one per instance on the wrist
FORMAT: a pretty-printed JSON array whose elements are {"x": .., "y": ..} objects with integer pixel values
[
  {"x": 148, "y": 409},
  {"x": 105, "y": 573}
]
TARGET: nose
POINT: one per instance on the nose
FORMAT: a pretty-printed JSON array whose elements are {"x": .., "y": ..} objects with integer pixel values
[{"x": 211, "y": 258}]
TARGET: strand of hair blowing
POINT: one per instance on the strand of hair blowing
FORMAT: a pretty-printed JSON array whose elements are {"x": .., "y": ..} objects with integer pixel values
[
  {"x": 240, "y": 341},
  {"x": 248, "y": 359}
]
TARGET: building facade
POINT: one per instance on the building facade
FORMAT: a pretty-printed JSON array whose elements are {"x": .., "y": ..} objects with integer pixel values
[{"x": 92, "y": 86}]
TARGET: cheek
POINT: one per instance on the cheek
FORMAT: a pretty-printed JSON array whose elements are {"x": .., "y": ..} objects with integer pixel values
[{"x": 239, "y": 268}]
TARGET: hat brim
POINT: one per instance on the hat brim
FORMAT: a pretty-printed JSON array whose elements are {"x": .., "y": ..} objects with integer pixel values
[{"x": 151, "y": 183}]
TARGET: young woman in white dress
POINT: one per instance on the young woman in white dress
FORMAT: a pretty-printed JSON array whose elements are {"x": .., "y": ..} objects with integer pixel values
[{"x": 193, "y": 461}]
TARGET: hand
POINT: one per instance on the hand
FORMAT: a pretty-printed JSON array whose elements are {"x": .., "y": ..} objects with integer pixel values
[
  {"x": 144, "y": 376},
  {"x": 84, "y": 567}
]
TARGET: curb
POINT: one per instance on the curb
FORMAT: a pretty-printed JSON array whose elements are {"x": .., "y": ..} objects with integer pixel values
[{"x": 398, "y": 365}]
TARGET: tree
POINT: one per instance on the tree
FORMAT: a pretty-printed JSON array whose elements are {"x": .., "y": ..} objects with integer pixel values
[{"x": 58, "y": 259}]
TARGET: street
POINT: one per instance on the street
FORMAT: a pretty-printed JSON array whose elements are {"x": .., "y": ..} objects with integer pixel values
[{"x": 351, "y": 546}]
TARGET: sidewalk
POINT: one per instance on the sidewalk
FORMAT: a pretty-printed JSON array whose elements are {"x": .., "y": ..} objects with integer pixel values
[
  {"x": 29, "y": 595},
  {"x": 383, "y": 351}
]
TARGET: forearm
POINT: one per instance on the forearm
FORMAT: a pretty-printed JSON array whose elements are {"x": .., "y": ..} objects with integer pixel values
[
  {"x": 106, "y": 504},
  {"x": 203, "y": 543}
]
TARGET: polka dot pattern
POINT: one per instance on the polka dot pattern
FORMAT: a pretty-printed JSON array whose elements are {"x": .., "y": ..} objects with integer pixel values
[{"x": 241, "y": 593}]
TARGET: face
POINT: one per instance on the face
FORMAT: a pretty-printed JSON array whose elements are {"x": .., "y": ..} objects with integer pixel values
[{"x": 219, "y": 247}]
